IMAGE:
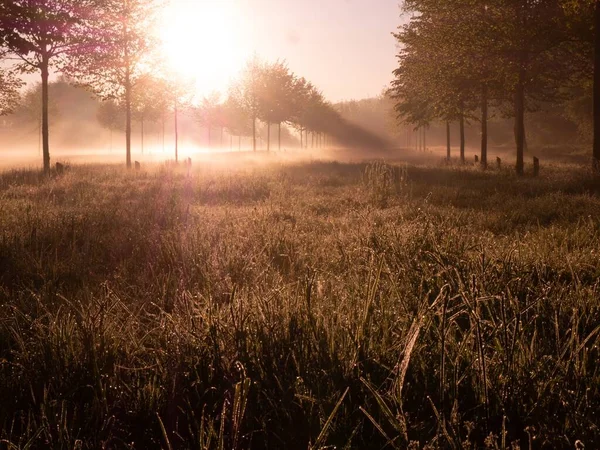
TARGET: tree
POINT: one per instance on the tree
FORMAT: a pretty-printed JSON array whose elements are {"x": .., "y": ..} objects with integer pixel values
[
  {"x": 596, "y": 150},
  {"x": 529, "y": 38},
  {"x": 276, "y": 99},
  {"x": 249, "y": 89},
  {"x": 40, "y": 34},
  {"x": 111, "y": 116},
  {"x": 210, "y": 113},
  {"x": 237, "y": 119},
  {"x": 148, "y": 101},
  {"x": 119, "y": 56}
]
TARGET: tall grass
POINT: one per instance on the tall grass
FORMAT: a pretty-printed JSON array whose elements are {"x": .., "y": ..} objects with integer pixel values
[{"x": 299, "y": 306}]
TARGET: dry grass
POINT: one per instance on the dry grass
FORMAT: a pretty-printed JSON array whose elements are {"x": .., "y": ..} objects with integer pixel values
[{"x": 299, "y": 305}]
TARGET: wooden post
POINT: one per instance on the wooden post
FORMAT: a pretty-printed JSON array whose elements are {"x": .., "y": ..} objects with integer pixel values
[
  {"x": 476, "y": 159},
  {"x": 498, "y": 162},
  {"x": 536, "y": 166}
]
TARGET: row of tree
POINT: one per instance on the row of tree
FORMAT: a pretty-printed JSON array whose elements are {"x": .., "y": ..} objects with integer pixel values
[
  {"x": 105, "y": 46},
  {"x": 461, "y": 58}
]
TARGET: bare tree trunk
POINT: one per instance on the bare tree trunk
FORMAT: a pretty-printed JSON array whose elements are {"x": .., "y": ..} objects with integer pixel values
[
  {"x": 520, "y": 122},
  {"x": 128, "y": 117},
  {"x": 45, "y": 118},
  {"x": 279, "y": 137},
  {"x": 462, "y": 138},
  {"x": 40, "y": 134},
  {"x": 254, "y": 133},
  {"x": 448, "y": 149},
  {"x": 164, "y": 132},
  {"x": 176, "y": 132},
  {"x": 484, "y": 126},
  {"x": 142, "y": 121},
  {"x": 596, "y": 158}
]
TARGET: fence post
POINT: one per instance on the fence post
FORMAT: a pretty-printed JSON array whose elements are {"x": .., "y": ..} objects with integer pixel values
[
  {"x": 476, "y": 159},
  {"x": 498, "y": 162}
]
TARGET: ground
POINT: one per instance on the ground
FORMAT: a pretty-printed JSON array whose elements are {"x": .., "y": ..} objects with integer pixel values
[{"x": 299, "y": 304}]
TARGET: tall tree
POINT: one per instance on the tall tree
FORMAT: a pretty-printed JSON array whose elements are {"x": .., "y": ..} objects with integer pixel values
[
  {"x": 40, "y": 34},
  {"x": 277, "y": 97},
  {"x": 596, "y": 151},
  {"x": 249, "y": 89},
  {"x": 120, "y": 55}
]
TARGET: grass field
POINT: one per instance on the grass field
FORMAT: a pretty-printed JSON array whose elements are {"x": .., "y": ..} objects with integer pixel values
[{"x": 299, "y": 305}]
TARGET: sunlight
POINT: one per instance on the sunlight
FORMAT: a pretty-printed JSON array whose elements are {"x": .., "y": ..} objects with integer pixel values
[{"x": 201, "y": 40}]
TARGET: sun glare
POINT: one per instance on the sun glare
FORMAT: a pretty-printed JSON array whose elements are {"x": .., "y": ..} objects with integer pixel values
[{"x": 201, "y": 40}]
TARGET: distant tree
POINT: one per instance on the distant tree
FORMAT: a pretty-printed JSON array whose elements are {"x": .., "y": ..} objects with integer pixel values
[
  {"x": 120, "y": 55},
  {"x": 210, "y": 113},
  {"x": 276, "y": 98},
  {"x": 237, "y": 118},
  {"x": 40, "y": 34},
  {"x": 111, "y": 116},
  {"x": 149, "y": 100},
  {"x": 249, "y": 89}
]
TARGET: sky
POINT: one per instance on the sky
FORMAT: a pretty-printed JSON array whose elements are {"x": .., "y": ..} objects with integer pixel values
[{"x": 344, "y": 47}]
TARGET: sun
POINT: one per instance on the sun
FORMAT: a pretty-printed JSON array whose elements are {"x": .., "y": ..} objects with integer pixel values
[{"x": 202, "y": 41}]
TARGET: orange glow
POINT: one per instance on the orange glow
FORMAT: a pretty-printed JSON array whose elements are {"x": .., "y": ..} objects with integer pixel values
[{"x": 201, "y": 40}]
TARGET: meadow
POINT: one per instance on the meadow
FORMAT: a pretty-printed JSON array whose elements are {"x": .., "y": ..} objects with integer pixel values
[{"x": 299, "y": 305}]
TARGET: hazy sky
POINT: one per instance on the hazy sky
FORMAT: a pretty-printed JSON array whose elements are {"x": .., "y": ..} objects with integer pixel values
[{"x": 343, "y": 46}]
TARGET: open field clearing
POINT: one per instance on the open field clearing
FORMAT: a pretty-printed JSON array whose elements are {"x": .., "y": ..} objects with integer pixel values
[{"x": 299, "y": 305}]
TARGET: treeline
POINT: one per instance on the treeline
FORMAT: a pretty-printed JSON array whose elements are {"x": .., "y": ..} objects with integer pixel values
[
  {"x": 460, "y": 60},
  {"x": 105, "y": 46}
]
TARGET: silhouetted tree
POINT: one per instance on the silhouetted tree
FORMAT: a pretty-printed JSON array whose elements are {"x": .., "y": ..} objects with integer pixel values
[
  {"x": 276, "y": 99},
  {"x": 249, "y": 89},
  {"x": 111, "y": 116},
  {"x": 40, "y": 34},
  {"x": 120, "y": 54}
]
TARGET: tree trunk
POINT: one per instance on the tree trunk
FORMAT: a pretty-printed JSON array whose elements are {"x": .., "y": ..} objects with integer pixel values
[
  {"x": 425, "y": 138},
  {"x": 596, "y": 159},
  {"x": 142, "y": 134},
  {"x": 45, "y": 118},
  {"x": 301, "y": 138},
  {"x": 221, "y": 137},
  {"x": 269, "y": 136},
  {"x": 448, "y": 140},
  {"x": 163, "y": 131},
  {"x": 520, "y": 122},
  {"x": 176, "y": 133},
  {"x": 484, "y": 126},
  {"x": 279, "y": 137},
  {"x": 462, "y": 138},
  {"x": 254, "y": 133},
  {"x": 128, "y": 118}
]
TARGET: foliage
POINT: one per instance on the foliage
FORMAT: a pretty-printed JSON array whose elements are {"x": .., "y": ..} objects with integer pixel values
[{"x": 9, "y": 92}]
